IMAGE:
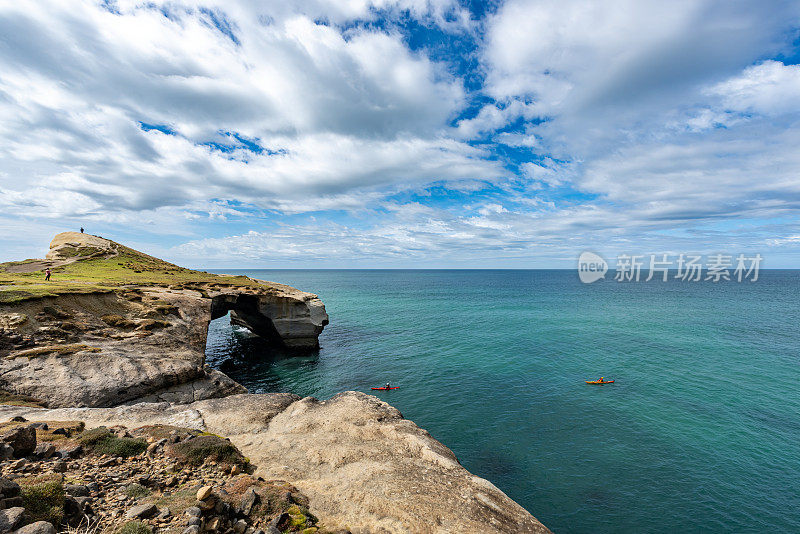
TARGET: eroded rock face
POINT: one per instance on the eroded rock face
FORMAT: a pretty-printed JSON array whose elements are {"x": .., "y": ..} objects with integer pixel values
[
  {"x": 361, "y": 464},
  {"x": 282, "y": 314},
  {"x": 139, "y": 343}
]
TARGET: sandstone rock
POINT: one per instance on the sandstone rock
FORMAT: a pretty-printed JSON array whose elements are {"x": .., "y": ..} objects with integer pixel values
[
  {"x": 204, "y": 493},
  {"x": 22, "y": 438},
  {"x": 142, "y": 511},
  {"x": 60, "y": 466},
  {"x": 40, "y": 527},
  {"x": 361, "y": 464},
  {"x": 11, "y": 518},
  {"x": 207, "y": 504}
]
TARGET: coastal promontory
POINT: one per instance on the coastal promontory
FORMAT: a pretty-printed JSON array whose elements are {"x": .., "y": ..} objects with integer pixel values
[{"x": 110, "y": 418}]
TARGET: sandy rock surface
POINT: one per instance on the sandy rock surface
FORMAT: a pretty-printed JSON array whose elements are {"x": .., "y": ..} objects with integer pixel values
[{"x": 361, "y": 464}]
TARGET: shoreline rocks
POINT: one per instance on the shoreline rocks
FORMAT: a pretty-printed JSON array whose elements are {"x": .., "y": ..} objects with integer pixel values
[{"x": 360, "y": 464}]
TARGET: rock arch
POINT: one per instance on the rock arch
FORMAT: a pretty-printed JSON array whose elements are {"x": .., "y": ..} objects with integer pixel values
[{"x": 288, "y": 318}]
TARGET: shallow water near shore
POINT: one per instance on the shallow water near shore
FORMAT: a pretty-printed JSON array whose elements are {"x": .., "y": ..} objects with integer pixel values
[{"x": 699, "y": 433}]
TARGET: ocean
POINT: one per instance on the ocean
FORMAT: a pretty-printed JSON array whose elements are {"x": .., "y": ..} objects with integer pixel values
[{"x": 699, "y": 433}]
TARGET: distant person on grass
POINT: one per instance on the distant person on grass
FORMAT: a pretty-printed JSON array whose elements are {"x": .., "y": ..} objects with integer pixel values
[{"x": 47, "y": 274}]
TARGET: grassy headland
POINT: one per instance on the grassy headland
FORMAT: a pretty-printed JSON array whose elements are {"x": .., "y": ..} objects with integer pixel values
[{"x": 86, "y": 269}]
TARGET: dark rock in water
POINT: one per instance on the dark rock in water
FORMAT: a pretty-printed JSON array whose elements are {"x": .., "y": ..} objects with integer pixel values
[
  {"x": 39, "y": 425},
  {"x": 40, "y": 527},
  {"x": 19, "y": 419},
  {"x": 11, "y": 518},
  {"x": 23, "y": 439}
]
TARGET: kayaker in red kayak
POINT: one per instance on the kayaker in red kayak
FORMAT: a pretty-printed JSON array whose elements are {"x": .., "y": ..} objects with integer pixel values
[{"x": 387, "y": 386}]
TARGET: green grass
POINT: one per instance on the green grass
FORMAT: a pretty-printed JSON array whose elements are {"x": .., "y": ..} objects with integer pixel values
[
  {"x": 43, "y": 499},
  {"x": 197, "y": 450},
  {"x": 13, "y": 399},
  {"x": 135, "y": 527},
  {"x": 102, "y": 441},
  {"x": 91, "y": 274},
  {"x": 136, "y": 491}
]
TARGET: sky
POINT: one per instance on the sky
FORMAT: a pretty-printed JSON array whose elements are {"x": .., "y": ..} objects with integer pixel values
[{"x": 402, "y": 134}]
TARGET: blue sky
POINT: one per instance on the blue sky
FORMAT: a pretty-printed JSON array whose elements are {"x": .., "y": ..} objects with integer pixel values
[{"x": 407, "y": 133}]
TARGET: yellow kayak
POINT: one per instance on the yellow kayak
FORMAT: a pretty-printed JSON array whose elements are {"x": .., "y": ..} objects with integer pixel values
[{"x": 599, "y": 382}]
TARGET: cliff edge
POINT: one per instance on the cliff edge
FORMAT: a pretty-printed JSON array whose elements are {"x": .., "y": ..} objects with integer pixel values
[
  {"x": 117, "y": 338},
  {"x": 114, "y": 325}
]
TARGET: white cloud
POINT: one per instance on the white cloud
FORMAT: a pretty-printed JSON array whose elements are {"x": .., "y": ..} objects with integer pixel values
[
  {"x": 768, "y": 88},
  {"x": 335, "y": 112}
]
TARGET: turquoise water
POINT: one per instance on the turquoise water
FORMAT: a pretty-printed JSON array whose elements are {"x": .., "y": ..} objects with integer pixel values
[{"x": 700, "y": 433}]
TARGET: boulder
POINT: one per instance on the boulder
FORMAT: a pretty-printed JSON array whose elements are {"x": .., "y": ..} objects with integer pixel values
[
  {"x": 40, "y": 527},
  {"x": 44, "y": 450},
  {"x": 142, "y": 511},
  {"x": 9, "y": 488},
  {"x": 22, "y": 438},
  {"x": 11, "y": 518},
  {"x": 76, "y": 490},
  {"x": 6, "y": 451}
]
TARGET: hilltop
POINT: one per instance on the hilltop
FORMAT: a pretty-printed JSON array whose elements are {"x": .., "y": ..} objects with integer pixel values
[{"x": 84, "y": 263}]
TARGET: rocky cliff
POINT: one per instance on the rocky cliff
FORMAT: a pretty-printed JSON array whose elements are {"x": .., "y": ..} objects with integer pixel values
[
  {"x": 362, "y": 466},
  {"x": 114, "y": 325},
  {"x": 117, "y": 338}
]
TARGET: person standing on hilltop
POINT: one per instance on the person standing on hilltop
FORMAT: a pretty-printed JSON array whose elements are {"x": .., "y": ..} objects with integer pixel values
[
  {"x": 47, "y": 274},
  {"x": 81, "y": 229}
]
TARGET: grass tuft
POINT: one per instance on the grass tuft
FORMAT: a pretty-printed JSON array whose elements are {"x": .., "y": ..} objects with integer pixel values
[
  {"x": 102, "y": 441},
  {"x": 135, "y": 527}
]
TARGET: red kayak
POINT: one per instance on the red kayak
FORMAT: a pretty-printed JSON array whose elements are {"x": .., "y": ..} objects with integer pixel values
[{"x": 387, "y": 389}]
